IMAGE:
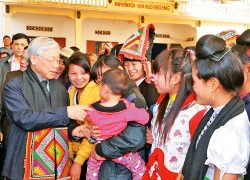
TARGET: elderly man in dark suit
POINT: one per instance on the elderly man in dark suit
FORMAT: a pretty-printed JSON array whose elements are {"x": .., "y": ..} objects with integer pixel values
[{"x": 37, "y": 107}]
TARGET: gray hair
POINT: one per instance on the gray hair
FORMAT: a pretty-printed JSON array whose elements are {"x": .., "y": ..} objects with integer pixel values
[{"x": 39, "y": 45}]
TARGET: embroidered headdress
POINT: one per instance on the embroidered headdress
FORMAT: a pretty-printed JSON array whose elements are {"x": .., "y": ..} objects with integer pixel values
[
  {"x": 139, "y": 47},
  {"x": 229, "y": 37}
]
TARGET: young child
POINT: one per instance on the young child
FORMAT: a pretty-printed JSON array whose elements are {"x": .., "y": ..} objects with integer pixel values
[
  {"x": 220, "y": 145},
  {"x": 111, "y": 115}
]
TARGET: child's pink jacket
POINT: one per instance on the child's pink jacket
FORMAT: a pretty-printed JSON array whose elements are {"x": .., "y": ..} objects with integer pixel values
[{"x": 113, "y": 120}]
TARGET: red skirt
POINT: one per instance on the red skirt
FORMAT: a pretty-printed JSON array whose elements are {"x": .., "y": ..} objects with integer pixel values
[{"x": 160, "y": 169}]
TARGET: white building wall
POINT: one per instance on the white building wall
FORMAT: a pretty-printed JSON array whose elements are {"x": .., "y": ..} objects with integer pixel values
[
  {"x": 120, "y": 29},
  {"x": 178, "y": 34},
  {"x": 215, "y": 28},
  {"x": 62, "y": 26}
]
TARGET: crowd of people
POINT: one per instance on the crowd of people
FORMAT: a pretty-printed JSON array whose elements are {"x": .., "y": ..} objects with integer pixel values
[{"x": 123, "y": 115}]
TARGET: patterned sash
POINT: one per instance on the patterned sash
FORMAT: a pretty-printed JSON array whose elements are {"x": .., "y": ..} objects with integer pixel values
[{"x": 47, "y": 155}]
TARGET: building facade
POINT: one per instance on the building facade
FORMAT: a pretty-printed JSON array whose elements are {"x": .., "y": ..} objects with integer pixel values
[{"x": 88, "y": 23}]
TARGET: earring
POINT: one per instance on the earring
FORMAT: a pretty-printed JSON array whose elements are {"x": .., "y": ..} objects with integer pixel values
[{"x": 213, "y": 95}]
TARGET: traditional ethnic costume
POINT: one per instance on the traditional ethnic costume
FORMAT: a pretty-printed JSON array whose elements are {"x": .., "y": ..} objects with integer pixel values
[
  {"x": 222, "y": 140},
  {"x": 166, "y": 160}
]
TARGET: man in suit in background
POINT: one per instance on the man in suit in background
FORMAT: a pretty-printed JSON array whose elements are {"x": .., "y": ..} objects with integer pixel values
[
  {"x": 23, "y": 66},
  {"x": 12, "y": 62}
]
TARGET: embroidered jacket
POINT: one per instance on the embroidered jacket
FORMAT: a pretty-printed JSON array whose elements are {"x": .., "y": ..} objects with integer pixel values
[{"x": 169, "y": 157}]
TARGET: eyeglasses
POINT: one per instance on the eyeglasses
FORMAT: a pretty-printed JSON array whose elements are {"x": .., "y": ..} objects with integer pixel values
[{"x": 52, "y": 61}]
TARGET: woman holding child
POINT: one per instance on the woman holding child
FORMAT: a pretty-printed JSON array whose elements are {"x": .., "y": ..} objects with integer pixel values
[{"x": 131, "y": 139}]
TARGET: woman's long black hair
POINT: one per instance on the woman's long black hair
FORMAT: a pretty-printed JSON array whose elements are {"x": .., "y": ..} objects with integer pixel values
[{"x": 175, "y": 61}]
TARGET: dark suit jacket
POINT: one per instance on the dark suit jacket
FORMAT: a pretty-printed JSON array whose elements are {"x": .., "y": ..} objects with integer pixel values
[
  {"x": 12, "y": 75},
  {"x": 149, "y": 92},
  {"x": 24, "y": 119},
  {"x": 4, "y": 69},
  {"x": 4, "y": 123}
]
